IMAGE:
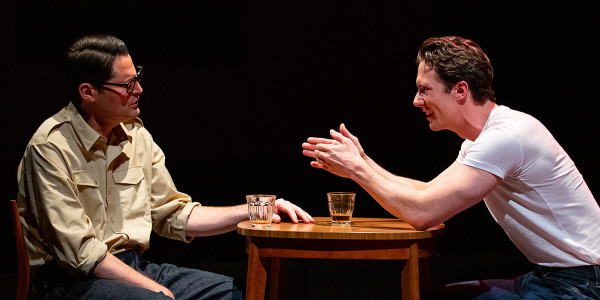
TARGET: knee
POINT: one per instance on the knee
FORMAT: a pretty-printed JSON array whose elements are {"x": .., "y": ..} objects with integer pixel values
[{"x": 456, "y": 291}]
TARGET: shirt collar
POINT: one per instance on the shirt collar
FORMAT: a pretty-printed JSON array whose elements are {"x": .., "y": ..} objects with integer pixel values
[
  {"x": 84, "y": 132},
  {"x": 125, "y": 137},
  {"x": 88, "y": 136}
]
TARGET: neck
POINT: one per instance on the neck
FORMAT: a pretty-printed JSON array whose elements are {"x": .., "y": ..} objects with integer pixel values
[
  {"x": 475, "y": 117},
  {"x": 103, "y": 128}
]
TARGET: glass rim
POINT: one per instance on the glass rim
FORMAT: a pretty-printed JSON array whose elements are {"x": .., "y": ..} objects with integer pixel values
[{"x": 261, "y": 195}]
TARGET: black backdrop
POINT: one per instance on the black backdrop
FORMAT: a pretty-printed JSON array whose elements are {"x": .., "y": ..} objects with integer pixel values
[{"x": 233, "y": 88}]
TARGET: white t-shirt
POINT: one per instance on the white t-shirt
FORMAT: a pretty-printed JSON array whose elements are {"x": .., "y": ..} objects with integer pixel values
[{"x": 542, "y": 202}]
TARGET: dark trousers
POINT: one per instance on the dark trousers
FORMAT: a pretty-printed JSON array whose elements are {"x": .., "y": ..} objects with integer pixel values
[
  {"x": 184, "y": 283},
  {"x": 541, "y": 283}
]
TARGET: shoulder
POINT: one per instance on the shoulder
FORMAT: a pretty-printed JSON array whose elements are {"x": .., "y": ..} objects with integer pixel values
[
  {"x": 515, "y": 120},
  {"x": 49, "y": 126},
  {"x": 506, "y": 125}
]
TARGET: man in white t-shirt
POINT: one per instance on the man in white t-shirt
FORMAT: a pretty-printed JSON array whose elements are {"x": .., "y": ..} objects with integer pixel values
[{"x": 528, "y": 182}]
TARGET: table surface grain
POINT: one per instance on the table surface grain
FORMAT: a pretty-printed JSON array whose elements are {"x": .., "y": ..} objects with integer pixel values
[{"x": 359, "y": 229}]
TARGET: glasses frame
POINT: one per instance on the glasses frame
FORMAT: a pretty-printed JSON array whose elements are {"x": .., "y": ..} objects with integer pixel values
[{"x": 129, "y": 85}]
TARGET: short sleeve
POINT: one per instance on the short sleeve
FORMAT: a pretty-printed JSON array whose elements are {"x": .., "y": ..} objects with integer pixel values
[{"x": 497, "y": 150}]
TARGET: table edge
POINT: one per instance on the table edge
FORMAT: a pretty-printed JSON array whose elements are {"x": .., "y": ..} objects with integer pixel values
[{"x": 243, "y": 229}]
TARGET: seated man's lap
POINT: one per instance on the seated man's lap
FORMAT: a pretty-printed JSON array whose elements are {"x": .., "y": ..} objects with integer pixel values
[
  {"x": 184, "y": 283},
  {"x": 110, "y": 289},
  {"x": 187, "y": 283}
]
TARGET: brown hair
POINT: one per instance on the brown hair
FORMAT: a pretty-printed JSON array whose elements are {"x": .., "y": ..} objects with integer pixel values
[{"x": 455, "y": 59}]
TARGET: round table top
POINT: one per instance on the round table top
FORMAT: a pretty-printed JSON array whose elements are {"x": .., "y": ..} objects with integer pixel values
[{"x": 359, "y": 229}]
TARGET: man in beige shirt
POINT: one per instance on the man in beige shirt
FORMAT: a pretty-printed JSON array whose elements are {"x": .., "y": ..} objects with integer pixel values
[{"x": 93, "y": 184}]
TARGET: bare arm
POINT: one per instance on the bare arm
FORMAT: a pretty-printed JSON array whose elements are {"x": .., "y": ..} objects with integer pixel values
[
  {"x": 417, "y": 184},
  {"x": 211, "y": 220},
  {"x": 310, "y": 146},
  {"x": 419, "y": 203},
  {"x": 459, "y": 188},
  {"x": 114, "y": 269}
]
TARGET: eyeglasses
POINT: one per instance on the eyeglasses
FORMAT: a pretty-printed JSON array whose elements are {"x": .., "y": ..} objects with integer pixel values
[{"x": 129, "y": 85}]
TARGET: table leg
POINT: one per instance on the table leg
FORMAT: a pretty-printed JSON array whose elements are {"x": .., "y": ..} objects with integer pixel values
[
  {"x": 410, "y": 274},
  {"x": 256, "y": 279},
  {"x": 274, "y": 278},
  {"x": 425, "y": 274}
]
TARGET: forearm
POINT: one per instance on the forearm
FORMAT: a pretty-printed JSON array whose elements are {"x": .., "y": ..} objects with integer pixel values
[
  {"x": 114, "y": 269},
  {"x": 210, "y": 220},
  {"x": 449, "y": 193},
  {"x": 401, "y": 200},
  {"x": 419, "y": 185}
]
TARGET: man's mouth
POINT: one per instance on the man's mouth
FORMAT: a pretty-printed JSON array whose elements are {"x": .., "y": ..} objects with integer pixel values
[{"x": 428, "y": 114}]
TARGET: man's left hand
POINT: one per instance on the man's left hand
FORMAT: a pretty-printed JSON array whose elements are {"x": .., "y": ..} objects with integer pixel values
[{"x": 293, "y": 212}]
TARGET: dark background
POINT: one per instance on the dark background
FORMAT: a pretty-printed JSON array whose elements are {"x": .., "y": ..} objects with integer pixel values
[{"x": 233, "y": 88}]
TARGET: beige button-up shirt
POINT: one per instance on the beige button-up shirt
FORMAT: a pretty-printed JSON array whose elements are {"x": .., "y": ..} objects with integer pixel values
[{"x": 81, "y": 194}]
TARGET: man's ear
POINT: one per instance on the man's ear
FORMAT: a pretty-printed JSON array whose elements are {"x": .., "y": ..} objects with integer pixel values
[
  {"x": 462, "y": 89},
  {"x": 87, "y": 92}
]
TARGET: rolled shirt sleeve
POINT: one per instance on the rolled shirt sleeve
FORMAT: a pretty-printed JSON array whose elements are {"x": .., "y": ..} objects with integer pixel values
[{"x": 170, "y": 208}]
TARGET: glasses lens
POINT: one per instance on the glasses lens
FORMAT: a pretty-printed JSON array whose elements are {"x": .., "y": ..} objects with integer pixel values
[
  {"x": 131, "y": 86},
  {"x": 139, "y": 74},
  {"x": 138, "y": 78}
]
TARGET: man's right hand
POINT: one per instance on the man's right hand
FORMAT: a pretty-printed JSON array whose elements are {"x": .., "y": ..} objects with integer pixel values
[
  {"x": 114, "y": 269},
  {"x": 167, "y": 292},
  {"x": 344, "y": 131}
]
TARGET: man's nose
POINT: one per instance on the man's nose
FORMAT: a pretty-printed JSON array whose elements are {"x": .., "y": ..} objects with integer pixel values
[
  {"x": 138, "y": 88},
  {"x": 418, "y": 101}
]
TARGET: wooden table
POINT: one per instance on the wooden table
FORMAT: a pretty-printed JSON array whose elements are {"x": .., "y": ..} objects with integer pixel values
[{"x": 365, "y": 238}]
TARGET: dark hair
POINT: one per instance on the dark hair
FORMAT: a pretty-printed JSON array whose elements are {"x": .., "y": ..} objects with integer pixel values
[
  {"x": 90, "y": 59},
  {"x": 455, "y": 59}
]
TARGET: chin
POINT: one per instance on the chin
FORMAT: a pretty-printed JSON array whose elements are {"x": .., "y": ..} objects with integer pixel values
[{"x": 434, "y": 128}]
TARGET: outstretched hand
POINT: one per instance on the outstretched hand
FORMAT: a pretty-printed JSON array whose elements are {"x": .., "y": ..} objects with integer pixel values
[
  {"x": 344, "y": 131},
  {"x": 340, "y": 155}
]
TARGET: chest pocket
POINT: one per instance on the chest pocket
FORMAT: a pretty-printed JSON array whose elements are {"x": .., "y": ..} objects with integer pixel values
[
  {"x": 84, "y": 180},
  {"x": 130, "y": 176},
  {"x": 89, "y": 195},
  {"x": 132, "y": 192}
]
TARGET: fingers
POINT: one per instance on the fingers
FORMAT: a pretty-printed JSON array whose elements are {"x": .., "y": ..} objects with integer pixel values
[
  {"x": 313, "y": 145},
  {"x": 309, "y": 153},
  {"x": 318, "y": 165},
  {"x": 316, "y": 154},
  {"x": 293, "y": 211},
  {"x": 309, "y": 146},
  {"x": 311, "y": 150},
  {"x": 313, "y": 153},
  {"x": 317, "y": 140},
  {"x": 338, "y": 136},
  {"x": 344, "y": 131},
  {"x": 276, "y": 218},
  {"x": 306, "y": 218}
]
